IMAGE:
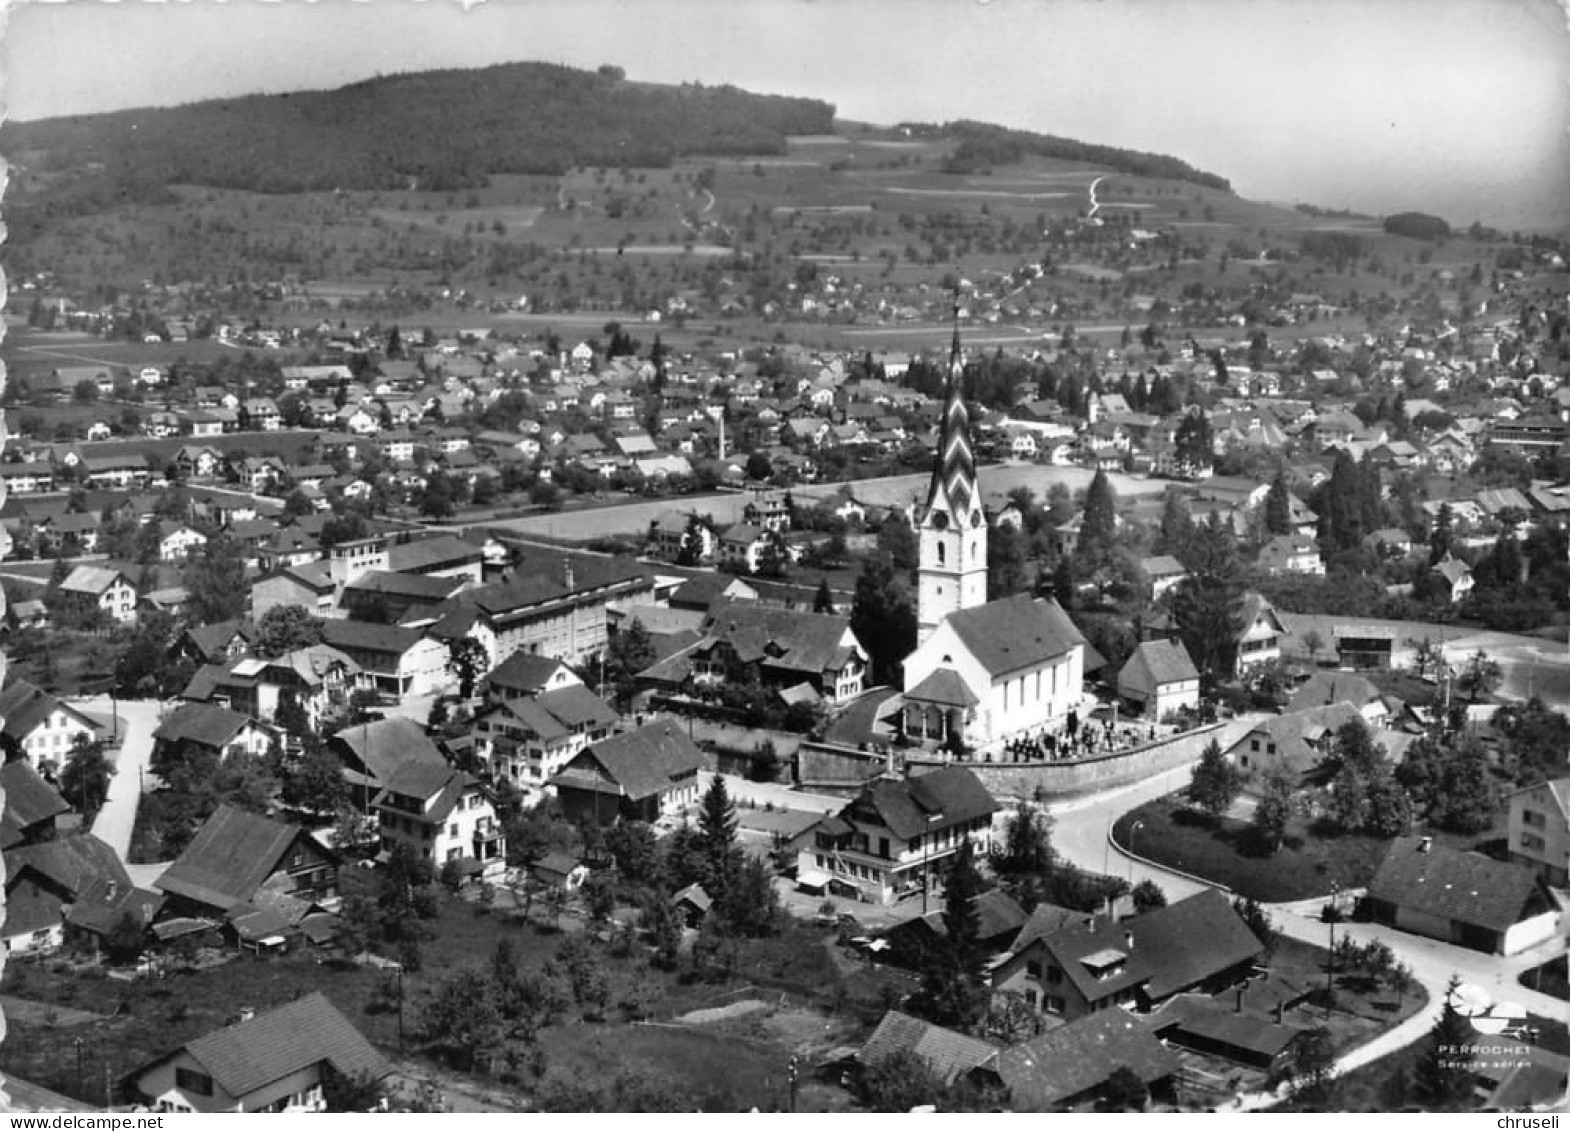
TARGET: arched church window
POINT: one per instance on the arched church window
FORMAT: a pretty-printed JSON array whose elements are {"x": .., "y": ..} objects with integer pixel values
[{"x": 942, "y": 553}]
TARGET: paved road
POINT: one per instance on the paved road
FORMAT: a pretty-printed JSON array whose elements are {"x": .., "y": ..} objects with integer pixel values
[
  {"x": 1080, "y": 835},
  {"x": 113, "y": 825}
]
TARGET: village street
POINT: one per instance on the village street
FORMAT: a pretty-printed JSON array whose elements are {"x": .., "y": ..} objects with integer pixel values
[{"x": 139, "y": 718}]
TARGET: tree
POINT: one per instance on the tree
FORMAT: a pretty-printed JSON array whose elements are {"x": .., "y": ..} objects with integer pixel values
[
  {"x": 1468, "y": 795},
  {"x": 1278, "y": 507},
  {"x": 1442, "y": 537},
  {"x": 1148, "y": 896},
  {"x": 662, "y": 921},
  {"x": 216, "y": 581},
  {"x": 84, "y": 779},
  {"x": 1215, "y": 783},
  {"x": 758, "y": 467},
  {"x": 1098, "y": 532},
  {"x": 1479, "y": 676},
  {"x": 284, "y": 629},
  {"x": 629, "y": 652},
  {"x": 467, "y": 660},
  {"x": 357, "y": 1092},
  {"x": 1313, "y": 644},
  {"x": 1275, "y": 808},
  {"x": 884, "y": 619},
  {"x": 1207, "y": 604},
  {"x": 952, "y": 992},
  {"x": 1123, "y": 1091},
  {"x": 717, "y": 837},
  {"x": 1443, "y": 1077},
  {"x": 1313, "y": 1066},
  {"x": 315, "y": 783},
  {"x": 823, "y": 601},
  {"x": 1195, "y": 444},
  {"x": 461, "y": 1016},
  {"x": 126, "y": 938},
  {"x": 899, "y": 1082},
  {"x": 750, "y": 904},
  {"x": 1177, "y": 525},
  {"x": 1027, "y": 842},
  {"x": 1258, "y": 921},
  {"x": 898, "y": 542}
]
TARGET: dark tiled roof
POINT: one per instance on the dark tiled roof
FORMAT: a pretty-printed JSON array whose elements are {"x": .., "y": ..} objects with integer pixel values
[
  {"x": 229, "y": 858},
  {"x": 1323, "y": 688},
  {"x": 205, "y": 724},
  {"x": 381, "y": 747},
  {"x": 431, "y": 553},
  {"x": 781, "y": 639},
  {"x": 245, "y": 1057},
  {"x": 1459, "y": 886},
  {"x": 1071, "y": 1061},
  {"x": 950, "y": 1055},
  {"x": 1162, "y": 661},
  {"x": 523, "y": 671},
  {"x": 928, "y": 803},
  {"x": 29, "y": 799},
  {"x": 1015, "y": 632},
  {"x": 71, "y": 864},
  {"x": 943, "y": 686},
  {"x": 641, "y": 762},
  {"x": 23, "y": 707},
  {"x": 359, "y": 635}
]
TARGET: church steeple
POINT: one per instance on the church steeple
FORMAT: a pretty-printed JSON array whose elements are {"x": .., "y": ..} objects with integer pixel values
[{"x": 953, "y": 532}]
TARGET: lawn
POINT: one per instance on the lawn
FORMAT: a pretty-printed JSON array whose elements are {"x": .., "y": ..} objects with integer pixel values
[
  {"x": 793, "y": 973},
  {"x": 1224, "y": 852}
]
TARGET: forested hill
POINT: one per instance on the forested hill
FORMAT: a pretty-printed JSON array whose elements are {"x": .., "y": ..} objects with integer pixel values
[
  {"x": 440, "y": 129},
  {"x": 981, "y": 146}
]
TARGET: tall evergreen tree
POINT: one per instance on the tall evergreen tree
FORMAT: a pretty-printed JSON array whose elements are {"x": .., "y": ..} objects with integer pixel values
[
  {"x": 1207, "y": 604},
  {"x": 1278, "y": 507},
  {"x": 717, "y": 837},
  {"x": 1177, "y": 525},
  {"x": 1195, "y": 443},
  {"x": 1215, "y": 783},
  {"x": 1098, "y": 531},
  {"x": 823, "y": 602},
  {"x": 1442, "y": 537},
  {"x": 883, "y": 619},
  {"x": 1443, "y": 1077}
]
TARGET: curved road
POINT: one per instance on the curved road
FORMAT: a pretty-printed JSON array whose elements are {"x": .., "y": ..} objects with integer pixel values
[{"x": 1081, "y": 835}]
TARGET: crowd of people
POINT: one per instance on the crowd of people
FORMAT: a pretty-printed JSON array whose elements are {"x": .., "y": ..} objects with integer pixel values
[{"x": 1074, "y": 739}]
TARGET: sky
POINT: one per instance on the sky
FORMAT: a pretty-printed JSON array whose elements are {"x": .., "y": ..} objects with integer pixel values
[{"x": 1460, "y": 107}]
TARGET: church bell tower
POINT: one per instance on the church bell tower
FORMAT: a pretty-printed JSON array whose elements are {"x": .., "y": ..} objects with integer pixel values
[{"x": 952, "y": 574}]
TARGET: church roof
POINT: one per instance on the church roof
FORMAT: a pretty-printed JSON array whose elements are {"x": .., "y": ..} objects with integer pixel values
[
  {"x": 954, "y": 469},
  {"x": 944, "y": 687},
  {"x": 1015, "y": 632}
]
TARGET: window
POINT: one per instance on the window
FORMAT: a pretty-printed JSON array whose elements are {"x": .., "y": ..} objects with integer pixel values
[
  {"x": 1532, "y": 841},
  {"x": 190, "y": 1080},
  {"x": 1533, "y": 818},
  {"x": 1253, "y": 744},
  {"x": 452, "y": 829},
  {"x": 1033, "y": 968},
  {"x": 1054, "y": 975},
  {"x": 1053, "y": 1004}
]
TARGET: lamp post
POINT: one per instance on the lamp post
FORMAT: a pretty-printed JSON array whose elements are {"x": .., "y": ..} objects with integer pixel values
[
  {"x": 81, "y": 1080},
  {"x": 1330, "y": 963},
  {"x": 1133, "y": 830},
  {"x": 792, "y": 1074}
]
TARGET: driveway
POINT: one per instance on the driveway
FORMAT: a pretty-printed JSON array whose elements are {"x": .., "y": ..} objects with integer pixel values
[{"x": 139, "y": 718}]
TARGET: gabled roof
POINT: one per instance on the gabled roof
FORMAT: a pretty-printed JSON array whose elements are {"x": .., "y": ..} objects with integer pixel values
[
  {"x": 1325, "y": 687},
  {"x": 229, "y": 857},
  {"x": 524, "y": 671},
  {"x": 363, "y": 636},
  {"x": 928, "y": 803},
  {"x": 1161, "y": 661},
  {"x": 1454, "y": 885},
  {"x": 1072, "y": 1060},
  {"x": 783, "y": 639},
  {"x": 253, "y": 1054},
  {"x": 383, "y": 746},
  {"x": 948, "y": 1054},
  {"x": 23, "y": 707},
  {"x": 1015, "y": 632},
  {"x": 640, "y": 763},
  {"x": 72, "y": 864},
  {"x": 945, "y": 687},
  {"x": 205, "y": 724},
  {"x": 29, "y": 799}
]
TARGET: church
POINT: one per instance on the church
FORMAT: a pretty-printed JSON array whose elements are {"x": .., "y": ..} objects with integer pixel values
[{"x": 985, "y": 671}]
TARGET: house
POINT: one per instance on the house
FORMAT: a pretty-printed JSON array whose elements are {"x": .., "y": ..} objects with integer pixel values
[
  {"x": 239, "y": 861},
  {"x": 271, "y": 1062},
  {"x": 526, "y": 674},
  {"x": 948, "y": 1055},
  {"x": 1454, "y": 577},
  {"x": 560, "y": 871},
  {"x": 1462, "y": 897},
  {"x": 214, "y": 643},
  {"x": 643, "y": 774},
  {"x": 211, "y": 730},
  {"x": 442, "y": 815},
  {"x": 1069, "y": 1067},
  {"x": 1161, "y": 678},
  {"x": 1291, "y": 553},
  {"x": 998, "y": 922},
  {"x": 444, "y": 556},
  {"x": 1164, "y": 572},
  {"x": 32, "y": 805},
  {"x": 396, "y": 661},
  {"x": 896, "y": 837},
  {"x": 1096, "y": 964},
  {"x": 317, "y": 679},
  {"x": 995, "y": 670},
  {"x": 409, "y": 599},
  {"x": 1326, "y": 687},
  {"x": 177, "y": 541},
  {"x": 38, "y": 726},
  {"x": 529, "y": 739},
  {"x": 669, "y": 536},
  {"x": 70, "y": 884},
  {"x": 782, "y": 648},
  {"x": 105, "y": 589},
  {"x": 1539, "y": 829},
  {"x": 1294, "y": 743},
  {"x": 372, "y": 753},
  {"x": 1259, "y": 638}
]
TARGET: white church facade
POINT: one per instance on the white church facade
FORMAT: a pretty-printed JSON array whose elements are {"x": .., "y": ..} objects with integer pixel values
[{"x": 983, "y": 671}]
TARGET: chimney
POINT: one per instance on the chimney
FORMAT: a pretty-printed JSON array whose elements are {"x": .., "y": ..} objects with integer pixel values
[
  {"x": 567, "y": 573},
  {"x": 1426, "y": 844},
  {"x": 1239, "y": 1007}
]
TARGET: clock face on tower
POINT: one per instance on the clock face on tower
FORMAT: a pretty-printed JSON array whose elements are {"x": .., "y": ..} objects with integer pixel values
[
  {"x": 940, "y": 520},
  {"x": 975, "y": 518}
]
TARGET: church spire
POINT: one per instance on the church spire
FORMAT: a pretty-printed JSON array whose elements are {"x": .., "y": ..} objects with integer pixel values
[{"x": 954, "y": 470}]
